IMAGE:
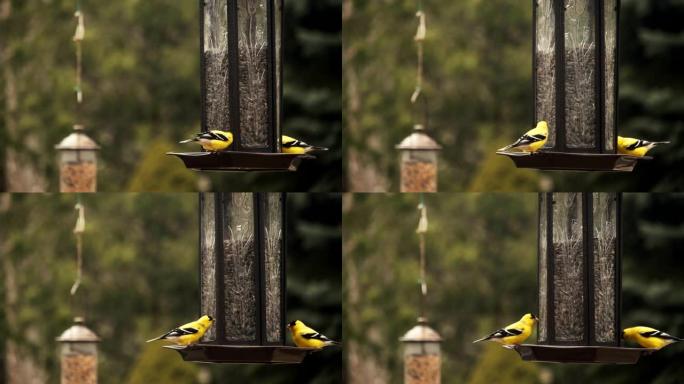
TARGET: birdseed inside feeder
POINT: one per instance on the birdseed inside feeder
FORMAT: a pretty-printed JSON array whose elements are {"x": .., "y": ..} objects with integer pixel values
[
  {"x": 241, "y": 80},
  {"x": 77, "y": 162},
  {"x": 418, "y": 160},
  {"x": 575, "y": 73},
  {"x": 242, "y": 280},
  {"x": 422, "y": 354},
  {"x": 580, "y": 281},
  {"x": 78, "y": 354}
]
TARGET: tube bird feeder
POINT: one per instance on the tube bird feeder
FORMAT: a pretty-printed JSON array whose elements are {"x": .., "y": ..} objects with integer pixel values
[
  {"x": 575, "y": 80},
  {"x": 418, "y": 161},
  {"x": 241, "y": 85},
  {"x": 78, "y": 354},
  {"x": 580, "y": 281},
  {"x": 422, "y": 354},
  {"x": 242, "y": 280},
  {"x": 77, "y": 162}
]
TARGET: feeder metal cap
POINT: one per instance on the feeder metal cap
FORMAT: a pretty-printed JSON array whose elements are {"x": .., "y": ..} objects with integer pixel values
[
  {"x": 77, "y": 140},
  {"x": 421, "y": 333},
  {"x": 78, "y": 333},
  {"x": 419, "y": 140}
]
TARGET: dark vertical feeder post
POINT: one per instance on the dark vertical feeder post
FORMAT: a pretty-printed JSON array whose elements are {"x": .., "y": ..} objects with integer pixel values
[
  {"x": 241, "y": 65},
  {"x": 242, "y": 267},
  {"x": 242, "y": 279},
  {"x": 575, "y": 57},
  {"x": 579, "y": 269},
  {"x": 575, "y": 46},
  {"x": 579, "y": 281},
  {"x": 241, "y": 50}
]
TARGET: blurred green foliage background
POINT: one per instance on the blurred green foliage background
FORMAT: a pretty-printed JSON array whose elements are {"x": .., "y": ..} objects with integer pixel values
[
  {"x": 141, "y": 93},
  {"x": 478, "y": 80},
  {"x": 141, "y": 279},
  {"x": 482, "y": 275}
]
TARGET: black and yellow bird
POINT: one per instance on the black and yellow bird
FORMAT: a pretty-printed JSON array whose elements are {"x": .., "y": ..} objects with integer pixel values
[
  {"x": 212, "y": 141},
  {"x": 298, "y": 147}
]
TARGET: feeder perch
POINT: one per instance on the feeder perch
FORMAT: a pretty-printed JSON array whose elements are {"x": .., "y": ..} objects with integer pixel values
[
  {"x": 586, "y": 354},
  {"x": 580, "y": 281},
  {"x": 242, "y": 280},
  {"x": 422, "y": 354},
  {"x": 77, "y": 162},
  {"x": 78, "y": 354},
  {"x": 241, "y": 161},
  {"x": 418, "y": 161},
  {"x": 575, "y": 73},
  {"x": 241, "y": 63}
]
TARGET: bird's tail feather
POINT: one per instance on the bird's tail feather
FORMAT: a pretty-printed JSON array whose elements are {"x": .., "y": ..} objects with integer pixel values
[
  {"x": 156, "y": 338},
  {"x": 187, "y": 141},
  {"x": 509, "y": 146},
  {"x": 314, "y": 148},
  {"x": 482, "y": 339},
  {"x": 660, "y": 142}
]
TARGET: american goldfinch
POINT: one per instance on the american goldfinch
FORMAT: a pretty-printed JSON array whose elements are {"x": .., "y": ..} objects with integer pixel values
[
  {"x": 298, "y": 147},
  {"x": 305, "y": 337},
  {"x": 636, "y": 147},
  {"x": 531, "y": 141},
  {"x": 188, "y": 334},
  {"x": 212, "y": 141},
  {"x": 513, "y": 334},
  {"x": 648, "y": 337}
]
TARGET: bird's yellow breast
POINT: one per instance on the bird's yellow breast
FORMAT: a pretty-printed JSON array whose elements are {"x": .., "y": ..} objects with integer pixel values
[
  {"x": 307, "y": 343},
  {"x": 534, "y": 147},
  {"x": 214, "y": 145},
  {"x": 190, "y": 339},
  {"x": 294, "y": 150},
  {"x": 517, "y": 339}
]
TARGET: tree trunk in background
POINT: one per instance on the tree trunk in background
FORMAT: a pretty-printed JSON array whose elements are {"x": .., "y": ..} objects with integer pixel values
[
  {"x": 20, "y": 176},
  {"x": 362, "y": 368},
  {"x": 20, "y": 368},
  {"x": 361, "y": 175}
]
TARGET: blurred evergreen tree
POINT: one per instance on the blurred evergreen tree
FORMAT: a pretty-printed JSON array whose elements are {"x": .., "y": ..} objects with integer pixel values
[
  {"x": 141, "y": 89},
  {"x": 651, "y": 91},
  {"x": 140, "y": 279}
]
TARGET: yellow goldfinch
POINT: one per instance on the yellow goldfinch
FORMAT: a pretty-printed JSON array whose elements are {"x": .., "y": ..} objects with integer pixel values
[
  {"x": 212, "y": 141},
  {"x": 531, "y": 141},
  {"x": 188, "y": 334},
  {"x": 298, "y": 147},
  {"x": 648, "y": 337},
  {"x": 513, "y": 334},
  {"x": 636, "y": 147},
  {"x": 305, "y": 337}
]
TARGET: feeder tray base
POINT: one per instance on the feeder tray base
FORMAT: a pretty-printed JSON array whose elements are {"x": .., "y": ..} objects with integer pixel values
[
  {"x": 234, "y": 161},
  {"x": 581, "y": 354},
  {"x": 242, "y": 354},
  {"x": 561, "y": 161}
]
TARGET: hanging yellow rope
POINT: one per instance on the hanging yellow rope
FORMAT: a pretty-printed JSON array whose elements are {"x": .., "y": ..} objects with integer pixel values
[
  {"x": 419, "y": 38},
  {"x": 79, "y": 35},
  {"x": 421, "y": 231},
  {"x": 79, "y": 228}
]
